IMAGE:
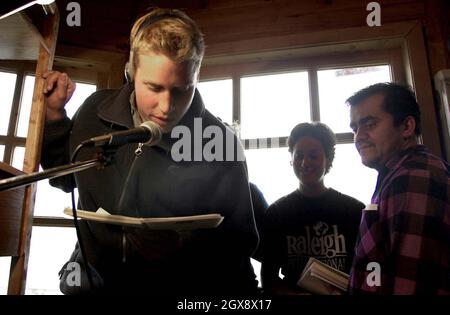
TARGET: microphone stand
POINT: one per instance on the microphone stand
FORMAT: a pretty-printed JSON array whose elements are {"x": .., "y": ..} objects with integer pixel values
[{"x": 103, "y": 159}]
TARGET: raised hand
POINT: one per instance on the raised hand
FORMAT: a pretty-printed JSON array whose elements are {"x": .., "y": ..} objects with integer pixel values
[{"x": 58, "y": 89}]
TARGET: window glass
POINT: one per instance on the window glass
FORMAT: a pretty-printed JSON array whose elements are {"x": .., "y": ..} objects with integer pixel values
[
  {"x": 349, "y": 176},
  {"x": 82, "y": 91},
  {"x": 7, "y": 87},
  {"x": 257, "y": 270},
  {"x": 5, "y": 263},
  {"x": 59, "y": 198},
  {"x": 336, "y": 85},
  {"x": 271, "y": 171},
  {"x": 271, "y": 105},
  {"x": 2, "y": 152},
  {"x": 218, "y": 98},
  {"x": 25, "y": 106},
  {"x": 51, "y": 248},
  {"x": 18, "y": 156},
  {"x": 45, "y": 192}
]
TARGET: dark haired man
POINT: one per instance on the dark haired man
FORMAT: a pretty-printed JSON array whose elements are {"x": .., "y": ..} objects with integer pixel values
[{"x": 404, "y": 238}]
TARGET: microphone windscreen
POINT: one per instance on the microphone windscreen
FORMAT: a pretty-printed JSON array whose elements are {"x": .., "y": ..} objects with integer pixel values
[{"x": 155, "y": 131}]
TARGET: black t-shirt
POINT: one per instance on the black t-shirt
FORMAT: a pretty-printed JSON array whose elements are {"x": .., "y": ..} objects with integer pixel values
[{"x": 297, "y": 227}]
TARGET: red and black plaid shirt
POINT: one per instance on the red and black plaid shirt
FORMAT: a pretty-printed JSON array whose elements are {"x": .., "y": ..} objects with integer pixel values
[{"x": 409, "y": 234}]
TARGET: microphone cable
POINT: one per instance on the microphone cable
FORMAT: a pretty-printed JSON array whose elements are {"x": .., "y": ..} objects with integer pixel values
[
  {"x": 156, "y": 133},
  {"x": 77, "y": 226}
]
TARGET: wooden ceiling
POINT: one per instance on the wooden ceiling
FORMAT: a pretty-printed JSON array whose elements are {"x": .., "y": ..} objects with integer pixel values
[
  {"x": 105, "y": 24},
  {"x": 227, "y": 24}
]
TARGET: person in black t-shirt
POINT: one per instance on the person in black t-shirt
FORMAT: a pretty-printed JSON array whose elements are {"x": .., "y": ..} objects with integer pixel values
[{"x": 313, "y": 221}]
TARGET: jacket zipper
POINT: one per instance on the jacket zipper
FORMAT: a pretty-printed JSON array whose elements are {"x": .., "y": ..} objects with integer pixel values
[{"x": 139, "y": 149}]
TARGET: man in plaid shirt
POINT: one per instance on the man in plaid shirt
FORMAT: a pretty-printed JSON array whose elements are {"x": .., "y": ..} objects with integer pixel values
[{"x": 404, "y": 239}]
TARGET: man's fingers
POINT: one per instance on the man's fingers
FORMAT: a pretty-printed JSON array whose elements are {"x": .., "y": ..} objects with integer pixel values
[
  {"x": 70, "y": 87},
  {"x": 58, "y": 87},
  {"x": 51, "y": 80},
  {"x": 46, "y": 74}
]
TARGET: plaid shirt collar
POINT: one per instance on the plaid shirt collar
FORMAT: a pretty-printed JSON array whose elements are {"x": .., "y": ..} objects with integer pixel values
[{"x": 393, "y": 164}]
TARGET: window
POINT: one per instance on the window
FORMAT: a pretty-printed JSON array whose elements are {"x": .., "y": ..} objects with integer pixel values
[
  {"x": 7, "y": 83},
  {"x": 336, "y": 85},
  {"x": 271, "y": 171},
  {"x": 25, "y": 107},
  {"x": 272, "y": 104},
  {"x": 50, "y": 246},
  {"x": 5, "y": 263},
  {"x": 18, "y": 157},
  {"x": 349, "y": 176},
  {"x": 50, "y": 249},
  {"x": 218, "y": 98}
]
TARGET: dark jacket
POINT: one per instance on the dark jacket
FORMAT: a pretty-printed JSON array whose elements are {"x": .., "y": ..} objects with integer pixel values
[{"x": 209, "y": 261}]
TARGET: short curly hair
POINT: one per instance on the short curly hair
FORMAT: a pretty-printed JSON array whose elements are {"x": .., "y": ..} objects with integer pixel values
[{"x": 318, "y": 131}]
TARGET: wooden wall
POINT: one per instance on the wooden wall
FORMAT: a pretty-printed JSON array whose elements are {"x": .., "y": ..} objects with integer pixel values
[
  {"x": 263, "y": 29},
  {"x": 106, "y": 24}
]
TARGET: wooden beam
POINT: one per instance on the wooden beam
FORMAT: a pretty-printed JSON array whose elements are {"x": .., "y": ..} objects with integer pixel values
[
  {"x": 420, "y": 79},
  {"x": 19, "y": 264}
]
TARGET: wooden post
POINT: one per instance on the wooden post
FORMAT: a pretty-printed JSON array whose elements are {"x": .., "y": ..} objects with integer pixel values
[
  {"x": 33, "y": 146},
  {"x": 420, "y": 79}
]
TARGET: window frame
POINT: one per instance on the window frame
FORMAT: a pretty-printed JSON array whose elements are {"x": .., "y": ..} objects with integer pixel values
[
  {"x": 10, "y": 141},
  {"x": 311, "y": 64},
  {"x": 102, "y": 68}
]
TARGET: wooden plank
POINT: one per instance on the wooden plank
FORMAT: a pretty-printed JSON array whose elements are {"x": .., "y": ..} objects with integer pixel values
[
  {"x": 311, "y": 39},
  {"x": 109, "y": 65},
  {"x": 229, "y": 21},
  {"x": 19, "y": 264},
  {"x": 420, "y": 79},
  {"x": 436, "y": 24},
  {"x": 269, "y": 21},
  {"x": 11, "y": 203},
  {"x": 16, "y": 40},
  {"x": 295, "y": 63}
]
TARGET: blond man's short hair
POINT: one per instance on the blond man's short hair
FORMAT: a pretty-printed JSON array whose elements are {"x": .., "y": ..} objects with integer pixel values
[{"x": 169, "y": 32}]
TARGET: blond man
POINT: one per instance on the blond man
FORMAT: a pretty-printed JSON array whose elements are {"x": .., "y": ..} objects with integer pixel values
[{"x": 162, "y": 73}]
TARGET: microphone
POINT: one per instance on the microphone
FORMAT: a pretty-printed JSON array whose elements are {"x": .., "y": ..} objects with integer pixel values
[{"x": 148, "y": 133}]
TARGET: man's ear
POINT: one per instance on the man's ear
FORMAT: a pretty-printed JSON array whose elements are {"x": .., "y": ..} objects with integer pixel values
[
  {"x": 409, "y": 125},
  {"x": 127, "y": 73},
  {"x": 197, "y": 76}
]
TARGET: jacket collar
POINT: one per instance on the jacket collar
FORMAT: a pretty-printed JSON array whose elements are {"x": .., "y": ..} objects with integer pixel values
[{"x": 115, "y": 109}]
